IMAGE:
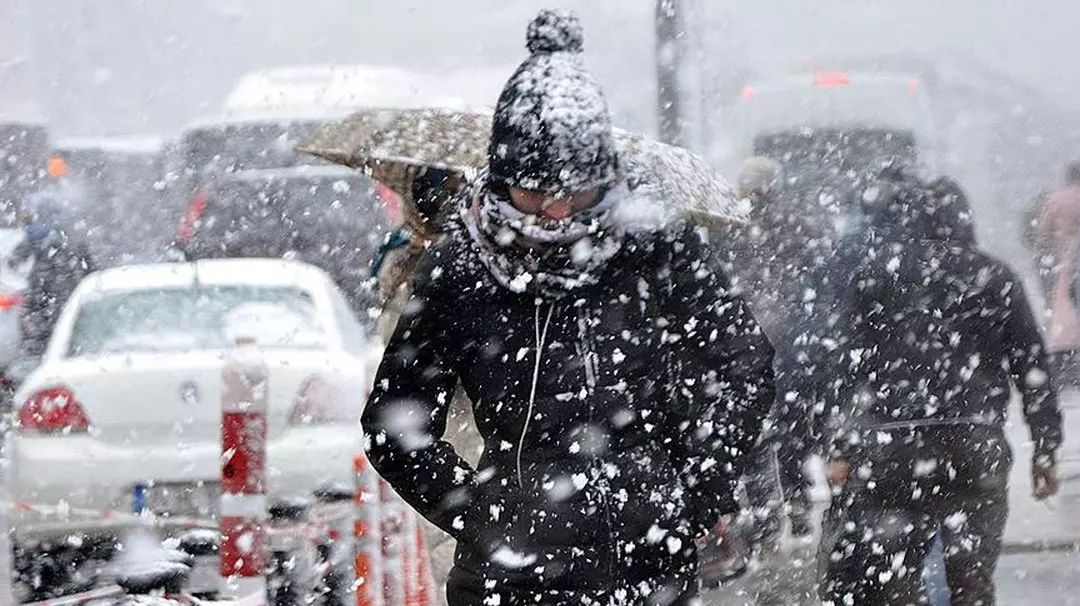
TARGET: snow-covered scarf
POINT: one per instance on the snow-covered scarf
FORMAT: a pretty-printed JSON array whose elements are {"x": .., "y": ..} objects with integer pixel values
[{"x": 548, "y": 258}]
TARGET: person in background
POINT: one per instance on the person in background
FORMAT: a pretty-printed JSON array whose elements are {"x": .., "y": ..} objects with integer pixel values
[
  {"x": 60, "y": 262},
  {"x": 936, "y": 335},
  {"x": 1059, "y": 229},
  {"x": 616, "y": 379},
  {"x": 1041, "y": 251},
  {"x": 427, "y": 208},
  {"x": 769, "y": 259}
]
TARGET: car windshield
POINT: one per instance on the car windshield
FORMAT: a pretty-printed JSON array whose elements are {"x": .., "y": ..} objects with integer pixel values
[{"x": 188, "y": 319}]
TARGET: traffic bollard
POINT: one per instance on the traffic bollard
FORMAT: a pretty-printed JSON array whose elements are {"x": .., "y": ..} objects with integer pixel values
[
  {"x": 392, "y": 518},
  {"x": 367, "y": 535},
  {"x": 243, "y": 506},
  {"x": 421, "y": 582}
]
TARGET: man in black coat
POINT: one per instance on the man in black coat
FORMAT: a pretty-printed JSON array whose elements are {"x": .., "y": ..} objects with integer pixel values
[
  {"x": 60, "y": 260},
  {"x": 937, "y": 334},
  {"x": 616, "y": 380}
]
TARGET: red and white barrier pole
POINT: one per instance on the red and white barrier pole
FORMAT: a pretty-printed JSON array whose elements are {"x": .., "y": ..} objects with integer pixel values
[
  {"x": 393, "y": 511},
  {"x": 421, "y": 589},
  {"x": 367, "y": 535},
  {"x": 243, "y": 516}
]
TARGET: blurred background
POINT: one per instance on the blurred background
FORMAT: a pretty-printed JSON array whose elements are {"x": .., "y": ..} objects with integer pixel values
[
  {"x": 997, "y": 71},
  {"x": 171, "y": 127}
]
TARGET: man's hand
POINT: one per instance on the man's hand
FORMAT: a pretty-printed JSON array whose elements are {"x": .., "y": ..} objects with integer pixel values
[
  {"x": 1044, "y": 482},
  {"x": 839, "y": 472}
]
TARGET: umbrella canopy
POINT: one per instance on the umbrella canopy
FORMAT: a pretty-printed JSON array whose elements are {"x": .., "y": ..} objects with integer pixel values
[{"x": 395, "y": 146}]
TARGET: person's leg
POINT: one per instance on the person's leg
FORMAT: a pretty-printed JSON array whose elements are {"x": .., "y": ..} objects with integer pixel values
[
  {"x": 763, "y": 495},
  {"x": 872, "y": 554},
  {"x": 972, "y": 513},
  {"x": 792, "y": 416},
  {"x": 937, "y": 584},
  {"x": 971, "y": 535}
]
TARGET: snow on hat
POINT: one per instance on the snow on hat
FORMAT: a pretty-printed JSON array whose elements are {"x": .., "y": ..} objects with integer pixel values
[{"x": 552, "y": 129}]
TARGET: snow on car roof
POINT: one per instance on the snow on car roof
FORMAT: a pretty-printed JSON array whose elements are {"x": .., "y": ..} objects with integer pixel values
[
  {"x": 137, "y": 144},
  {"x": 251, "y": 272}
]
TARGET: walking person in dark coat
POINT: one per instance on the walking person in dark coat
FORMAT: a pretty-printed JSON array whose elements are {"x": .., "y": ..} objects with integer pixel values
[
  {"x": 771, "y": 259},
  {"x": 60, "y": 260},
  {"x": 937, "y": 334},
  {"x": 615, "y": 380}
]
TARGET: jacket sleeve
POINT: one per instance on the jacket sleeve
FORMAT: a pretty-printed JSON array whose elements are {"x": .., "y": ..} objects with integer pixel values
[
  {"x": 405, "y": 417},
  {"x": 722, "y": 378},
  {"x": 22, "y": 251},
  {"x": 1031, "y": 374}
]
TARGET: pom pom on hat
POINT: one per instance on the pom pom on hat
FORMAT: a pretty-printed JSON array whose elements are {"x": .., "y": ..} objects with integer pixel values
[
  {"x": 552, "y": 129},
  {"x": 554, "y": 31}
]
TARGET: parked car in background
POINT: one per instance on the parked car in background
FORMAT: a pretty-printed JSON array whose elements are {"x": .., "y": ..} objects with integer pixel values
[
  {"x": 329, "y": 216},
  {"x": 829, "y": 130},
  {"x": 129, "y": 390},
  {"x": 116, "y": 186},
  {"x": 24, "y": 150},
  {"x": 207, "y": 150}
]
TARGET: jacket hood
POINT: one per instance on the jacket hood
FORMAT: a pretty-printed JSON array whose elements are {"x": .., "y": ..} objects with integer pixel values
[{"x": 938, "y": 211}]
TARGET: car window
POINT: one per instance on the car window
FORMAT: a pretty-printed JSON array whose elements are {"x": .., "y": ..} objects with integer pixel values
[
  {"x": 225, "y": 148},
  {"x": 186, "y": 319},
  {"x": 312, "y": 207}
]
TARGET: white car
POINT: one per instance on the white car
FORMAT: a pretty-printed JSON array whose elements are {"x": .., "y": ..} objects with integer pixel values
[{"x": 128, "y": 393}]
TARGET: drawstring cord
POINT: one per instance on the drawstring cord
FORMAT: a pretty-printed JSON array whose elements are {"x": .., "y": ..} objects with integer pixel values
[{"x": 541, "y": 339}]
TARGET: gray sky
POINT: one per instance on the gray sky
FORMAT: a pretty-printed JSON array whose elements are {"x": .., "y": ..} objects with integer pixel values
[{"x": 120, "y": 66}]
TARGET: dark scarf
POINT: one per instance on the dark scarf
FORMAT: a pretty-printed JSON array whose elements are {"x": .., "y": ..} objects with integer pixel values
[{"x": 547, "y": 258}]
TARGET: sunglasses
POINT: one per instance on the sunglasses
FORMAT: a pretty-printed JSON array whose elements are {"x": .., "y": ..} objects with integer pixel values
[{"x": 554, "y": 205}]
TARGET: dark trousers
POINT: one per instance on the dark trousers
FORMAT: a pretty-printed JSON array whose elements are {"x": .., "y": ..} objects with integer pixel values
[
  {"x": 950, "y": 482},
  {"x": 789, "y": 436}
]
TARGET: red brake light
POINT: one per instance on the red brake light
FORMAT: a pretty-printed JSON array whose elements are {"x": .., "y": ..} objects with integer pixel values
[
  {"x": 53, "y": 410},
  {"x": 748, "y": 92},
  {"x": 831, "y": 79},
  {"x": 9, "y": 302},
  {"x": 318, "y": 402},
  {"x": 194, "y": 212},
  {"x": 914, "y": 84}
]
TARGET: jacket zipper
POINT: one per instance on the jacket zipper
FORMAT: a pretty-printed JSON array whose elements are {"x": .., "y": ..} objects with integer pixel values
[
  {"x": 541, "y": 341},
  {"x": 588, "y": 354}
]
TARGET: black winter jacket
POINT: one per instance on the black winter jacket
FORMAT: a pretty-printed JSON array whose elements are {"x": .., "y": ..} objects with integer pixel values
[
  {"x": 937, "y": 332},
  {"x": 772, "y": 258},
  {"x": 60, "y": 263},
  {"x": 614, "y": 419}
]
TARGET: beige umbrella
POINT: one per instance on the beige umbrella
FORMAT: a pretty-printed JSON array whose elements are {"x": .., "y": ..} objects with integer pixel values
[{"x": 394, "y": 146}]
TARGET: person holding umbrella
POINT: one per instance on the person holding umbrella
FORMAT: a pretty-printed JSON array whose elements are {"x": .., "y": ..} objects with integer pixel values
[{"x": 615, "y": 378}]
